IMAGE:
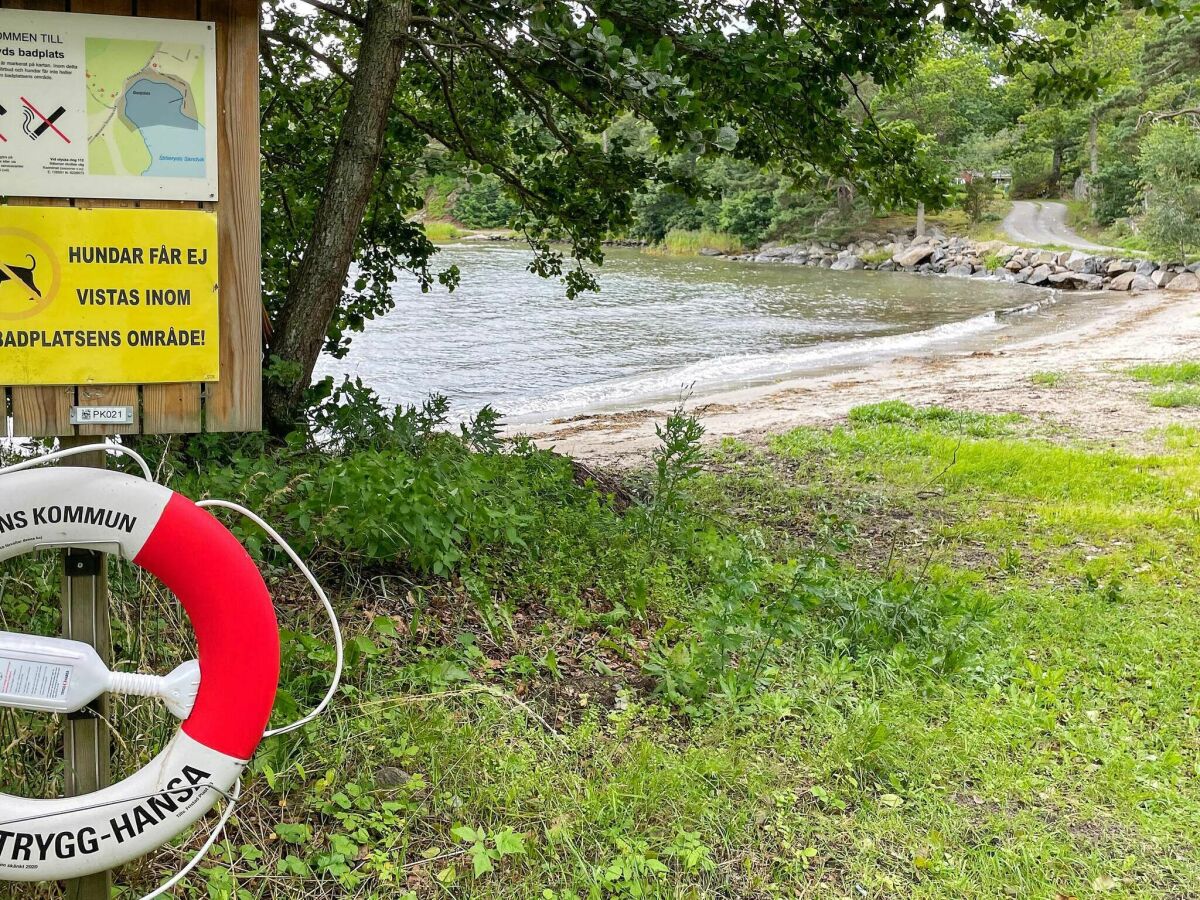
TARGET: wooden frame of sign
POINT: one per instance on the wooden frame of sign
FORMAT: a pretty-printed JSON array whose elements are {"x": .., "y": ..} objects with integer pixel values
[{"x": 234, "y": 401}]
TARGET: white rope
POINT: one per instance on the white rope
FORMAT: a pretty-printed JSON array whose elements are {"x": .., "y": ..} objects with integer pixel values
[
  {"x": 106, "y": 446},
  {"x": 338, "y": 642},
  {"x": 202, "y": 853}
]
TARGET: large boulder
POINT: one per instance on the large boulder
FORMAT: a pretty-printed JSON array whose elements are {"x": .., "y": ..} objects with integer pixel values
[
  {"x": 1188, "y": 281},
  {"x": 962, "y": 270},
  {"x": 1120, "y": 266},
  {"x": 1131, "y": 281},
  {"x": 1077, "y": 280},
  {"x": 1145, "y": 267},
  {"x": 1076, "y": 261},
  {"x": 1040, "y": 274},
  {"x": 913, "y": 256},
  {"x": 1045, "y": 258},
  {"x": 846, "y": 263},
  {"x": 1162, "y": 277}
]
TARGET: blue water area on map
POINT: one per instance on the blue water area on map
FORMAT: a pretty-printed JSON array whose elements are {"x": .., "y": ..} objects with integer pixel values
[{"x": 176, "y": 141}]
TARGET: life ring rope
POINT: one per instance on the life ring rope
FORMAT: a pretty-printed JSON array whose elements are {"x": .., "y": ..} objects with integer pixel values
[{"x": 236, "y": 736}]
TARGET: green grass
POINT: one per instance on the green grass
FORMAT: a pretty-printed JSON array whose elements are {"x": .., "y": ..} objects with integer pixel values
[
  {"x": 1176, "y": 397},
  {"x": 978, "y": 678},
  {"x": 1079, "y": 217},
  {"x": 1047, "y": 379},
  {"x": 690, "y": 243},
  {"x": 1159, "y": 374},
  {"x": 952, "y": 221},
  {"x": 442, "y": 232},
  {"x": 1180, "y": 382}
]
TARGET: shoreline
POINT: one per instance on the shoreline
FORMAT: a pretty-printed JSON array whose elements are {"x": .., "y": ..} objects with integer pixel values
[{"x": 1094, "y": 399}]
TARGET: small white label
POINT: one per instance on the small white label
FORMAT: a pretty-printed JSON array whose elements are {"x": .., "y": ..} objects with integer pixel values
[
  {"x": 24, "y": 680},
  {"x": 101, "y": 415}
]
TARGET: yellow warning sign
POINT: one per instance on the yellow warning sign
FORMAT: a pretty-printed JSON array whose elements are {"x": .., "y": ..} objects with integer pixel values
[{"x": 107, "y": 296}]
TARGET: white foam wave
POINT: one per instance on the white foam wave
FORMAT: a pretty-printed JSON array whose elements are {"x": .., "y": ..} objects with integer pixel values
[{"x": 744, "y": 370}]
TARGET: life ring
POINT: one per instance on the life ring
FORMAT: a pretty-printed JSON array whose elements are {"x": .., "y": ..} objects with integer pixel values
[{"x": 231, "y": 612}]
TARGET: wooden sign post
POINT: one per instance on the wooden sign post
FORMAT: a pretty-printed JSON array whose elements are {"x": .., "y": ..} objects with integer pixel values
[{"x": 130, "y": 293}]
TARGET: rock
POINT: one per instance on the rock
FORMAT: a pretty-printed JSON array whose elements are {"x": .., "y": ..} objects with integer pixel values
[
  {"x": 1131, "y": 281},
  {"x": 962, "y": 270},
  {"x": 1045, "y": 258},
  {"x": 1189, "y": 281},
  {"x": 1016, "y": 264},
  {"x": 1020, "y": 277},
  {"x": 1077, "y": 280},
  {"x": 888, "y": 266},
  {"x": 1162, "y": 277},
  {"x": 710, "y": 251},
  {"x": 846, "y": 263},
  {"x": 391, "y": 777},
  {"x": 1040, "y": 275},
  {"x": 938, "y": 255},
  {"x": 1119, "y": 267},
  {"x": 1146, "y": 268},
  {"x": 1076, "y": 261},
  {"x": 913, "y": 256},
  {"x": 1194, "y": 267}
]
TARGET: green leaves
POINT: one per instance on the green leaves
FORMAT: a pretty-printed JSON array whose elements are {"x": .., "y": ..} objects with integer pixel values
[{"x": 486, "y": 850}]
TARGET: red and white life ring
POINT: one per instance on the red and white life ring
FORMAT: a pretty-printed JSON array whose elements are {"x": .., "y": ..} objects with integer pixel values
[{"x": 225, "y": 598}]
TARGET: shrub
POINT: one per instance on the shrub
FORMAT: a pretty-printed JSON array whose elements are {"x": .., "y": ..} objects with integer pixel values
[
  {"x": 977, "y": 198},
  {"x": 485, "y": 205},
  {"x": 747, "y": 215},
  {"x": 1170, "y": 165},
  {"x": 1114, "y": 191}
]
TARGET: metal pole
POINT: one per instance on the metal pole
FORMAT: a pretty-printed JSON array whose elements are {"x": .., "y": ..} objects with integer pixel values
[{"x": 85, "y": 617}]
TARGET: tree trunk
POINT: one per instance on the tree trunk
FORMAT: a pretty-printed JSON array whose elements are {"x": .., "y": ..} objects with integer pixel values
[
  {"x": 1056, "y": 169},
  {"x": 920, "y": 219},
  {"x": 316, "y": 290},
  {"x": 1094, "y": 145}
]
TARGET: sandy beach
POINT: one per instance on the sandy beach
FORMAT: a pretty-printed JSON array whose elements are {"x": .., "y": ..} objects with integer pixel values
[{"x": 1095, "y": 399}]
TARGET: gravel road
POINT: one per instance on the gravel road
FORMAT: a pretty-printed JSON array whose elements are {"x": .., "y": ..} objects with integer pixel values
[{"x": 1044, "y": 222}]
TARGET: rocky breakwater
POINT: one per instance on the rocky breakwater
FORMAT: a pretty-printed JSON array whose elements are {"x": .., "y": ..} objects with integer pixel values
[{"x": 964, "y": 258}]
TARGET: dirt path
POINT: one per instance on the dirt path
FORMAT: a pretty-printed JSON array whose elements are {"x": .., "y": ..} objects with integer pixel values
[
  {"x": 1093, "y": 396},
  {"x": 1044, "y": 222}
]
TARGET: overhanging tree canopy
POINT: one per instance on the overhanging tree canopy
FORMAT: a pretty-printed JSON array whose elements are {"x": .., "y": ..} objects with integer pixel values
[{"x": 359, "y": 93}]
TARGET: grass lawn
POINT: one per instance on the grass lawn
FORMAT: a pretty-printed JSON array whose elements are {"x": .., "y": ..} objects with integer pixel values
[
  {"x": 953, "y": 222},
  {"x": 971, "y": 672}
]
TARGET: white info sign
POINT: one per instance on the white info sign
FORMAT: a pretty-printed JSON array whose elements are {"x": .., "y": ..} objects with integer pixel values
[{"x": 107, "y": 107}]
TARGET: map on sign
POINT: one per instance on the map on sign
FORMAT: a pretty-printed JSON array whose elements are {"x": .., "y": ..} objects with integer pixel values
[
  {"x": 107, "y": 106},
  {"x": 145, "y": 108}
]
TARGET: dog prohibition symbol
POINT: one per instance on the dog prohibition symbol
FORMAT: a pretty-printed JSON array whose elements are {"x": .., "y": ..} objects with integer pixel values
[{"x": 23, "y": 274}]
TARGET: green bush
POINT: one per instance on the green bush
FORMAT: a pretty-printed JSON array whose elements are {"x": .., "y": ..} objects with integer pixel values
[
  {"x": 1114, "y": 191},
  {"x": 485, "y": 205},
  {"x": 1170, "y": 164},
  {"x": 747, "y": 215}
]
